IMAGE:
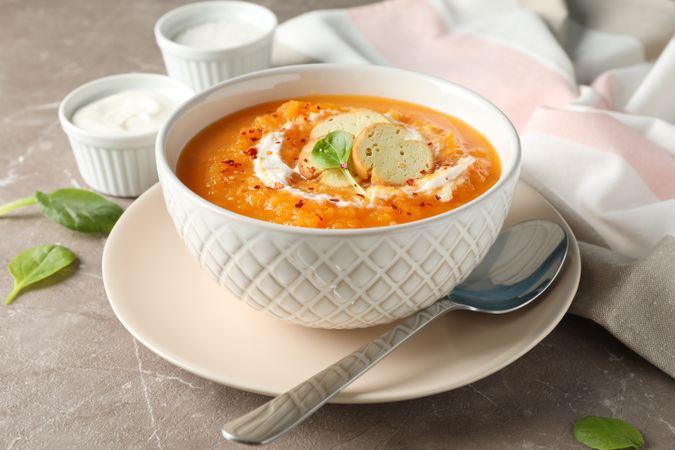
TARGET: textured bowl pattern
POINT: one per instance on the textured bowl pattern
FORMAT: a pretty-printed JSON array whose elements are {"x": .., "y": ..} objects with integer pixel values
[{"x": 333, "y": 281}]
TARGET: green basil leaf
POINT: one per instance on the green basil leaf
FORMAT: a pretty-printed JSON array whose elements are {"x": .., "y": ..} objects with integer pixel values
[
  {"x": 606, "y": 433},
  {"x": 80, "y": 210},
  {"x": 36, "y": 264},
  {"x": 333, "y": 150}
]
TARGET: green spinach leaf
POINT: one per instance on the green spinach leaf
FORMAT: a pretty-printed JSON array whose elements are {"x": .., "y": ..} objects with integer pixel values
[
  {"x": 77, "y": 209},
  {"x": 16, "y": 204},
  {"x": 36, "y": 264},
  {"x": 333, "y": 152},
  {"x": 606, "y": 433},
  {"x": 80, "y": 210}
]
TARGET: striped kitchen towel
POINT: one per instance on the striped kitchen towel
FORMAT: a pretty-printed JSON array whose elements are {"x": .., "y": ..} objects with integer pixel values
[{"x": 593, "y": 97}]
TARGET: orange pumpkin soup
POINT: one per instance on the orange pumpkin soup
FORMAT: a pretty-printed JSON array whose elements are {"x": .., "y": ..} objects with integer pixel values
[{"x": 317, "y": 162}]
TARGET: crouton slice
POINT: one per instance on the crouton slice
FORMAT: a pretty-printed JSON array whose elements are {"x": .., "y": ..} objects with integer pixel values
[
  {"x": 351, "y": 122},
  {"x": 309, "y": 169},
  {"x": 382, "y": 154},
  {"x": 333, "y": 178}
]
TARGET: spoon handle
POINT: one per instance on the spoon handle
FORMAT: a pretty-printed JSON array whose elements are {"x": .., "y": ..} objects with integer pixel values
[{"x": 282, "y": 413}]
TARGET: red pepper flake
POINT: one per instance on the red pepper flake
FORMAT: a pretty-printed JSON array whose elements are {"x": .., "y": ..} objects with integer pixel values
[
  {"x": 429, "y": 143},
  {"x": 254, "y": 138},
  {"x": 318, "y": 107},
  {"x": 361, "y": 195},
  {"x": 310, "y": 188},
  {"x": 317, "y": 215},
  {"x": 422, "y": 204},
  {"x": 305, "y": 160},
  {"x": 394, "y": 207},
  {"x": 311, "y": 169},
  {"x": 408, "y": 214},
  {"x": 243, "y": 133},
  {"x": 423, "y": 172},
  {"x": 302, "y": 141},
  {"x": 257, "y": 186},
  {"x": 409, "y": 181},
  {"x": 252, "y": 152},
  {"x": 437, "y": 197},
  {"x": 231, "y": 163},
  {"x": 335, "y": 200}
]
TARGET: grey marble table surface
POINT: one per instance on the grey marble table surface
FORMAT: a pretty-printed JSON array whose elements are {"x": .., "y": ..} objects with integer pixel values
[{"x": 72, "y": 377}]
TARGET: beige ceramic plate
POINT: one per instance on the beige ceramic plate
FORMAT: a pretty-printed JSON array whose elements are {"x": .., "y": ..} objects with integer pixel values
[{"x": 165, "y": 300}]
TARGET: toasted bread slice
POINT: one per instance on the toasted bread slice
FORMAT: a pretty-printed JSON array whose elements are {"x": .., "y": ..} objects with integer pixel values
[
  {"x": 382, "y": 154},
  {"x": 333, "y": 178},
  {"x": 351, "y": 122},
  {"x": 306, "y": 165}
]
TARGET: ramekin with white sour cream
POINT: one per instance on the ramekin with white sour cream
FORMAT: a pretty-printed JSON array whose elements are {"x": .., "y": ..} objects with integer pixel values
[{"x": 112, "y": 124}]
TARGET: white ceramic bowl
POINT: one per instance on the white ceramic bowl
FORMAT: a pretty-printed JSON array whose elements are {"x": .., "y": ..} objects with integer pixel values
[
  {"x": 337, "y": 278},
  {"x": 123, "y": 166},
  {"x": 202, "y": 68}
]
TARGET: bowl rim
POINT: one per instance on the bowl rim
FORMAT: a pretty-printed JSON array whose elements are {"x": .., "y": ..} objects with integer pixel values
[
  {"x": 166, "y": 174},
  {"x": 180, "y": 13},
  {"x": 182, "y": 93}
]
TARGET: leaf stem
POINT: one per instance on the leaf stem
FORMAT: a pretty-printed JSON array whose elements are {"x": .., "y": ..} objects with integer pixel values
[
  {"x": 16, "y": 204},
  {"x": 353, "y": 182},
  {"x": 12, "y": 295}
]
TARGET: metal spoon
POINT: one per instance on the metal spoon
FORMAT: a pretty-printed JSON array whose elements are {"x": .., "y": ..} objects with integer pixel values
[{"x": 519, "y": 267}]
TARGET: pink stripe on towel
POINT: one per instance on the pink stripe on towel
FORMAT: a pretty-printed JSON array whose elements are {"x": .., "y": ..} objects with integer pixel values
[
  {"x": 602, "y": 132},
  {"x": 412, "y": 35},
  {"x": 603, "y": 86}
]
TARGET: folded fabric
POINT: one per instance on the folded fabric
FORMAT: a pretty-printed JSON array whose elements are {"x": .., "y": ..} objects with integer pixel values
[{"x": 596, "y": 118}]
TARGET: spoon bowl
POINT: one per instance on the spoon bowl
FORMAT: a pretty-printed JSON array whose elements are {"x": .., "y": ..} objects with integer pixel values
[
  {"x": 517, "y": 269},
  {"x": 523, "y": 262}
]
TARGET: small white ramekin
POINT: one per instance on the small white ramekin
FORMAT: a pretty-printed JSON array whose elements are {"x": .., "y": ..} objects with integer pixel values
[
  {"x": 202, "y": 68},
  {"x": 119, "y": 165}
]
